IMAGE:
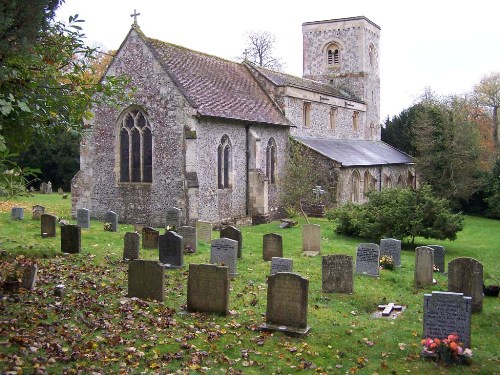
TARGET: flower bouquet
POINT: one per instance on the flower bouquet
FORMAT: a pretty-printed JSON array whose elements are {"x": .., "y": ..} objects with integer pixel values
[
  {"x": 387, "y": 262},
  {"x": 450, "y": 350}
]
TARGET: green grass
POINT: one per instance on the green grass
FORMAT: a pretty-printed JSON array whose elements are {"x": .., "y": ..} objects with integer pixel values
[{"x": 95, "y": 327}]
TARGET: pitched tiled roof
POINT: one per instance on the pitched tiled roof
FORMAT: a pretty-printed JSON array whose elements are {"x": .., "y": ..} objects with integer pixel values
[
  {"x": 217, "y": 87},
  {"x": 354, "y": 152}
]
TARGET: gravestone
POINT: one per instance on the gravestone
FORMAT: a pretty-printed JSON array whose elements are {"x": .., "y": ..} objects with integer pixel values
[
  {"x": 281, "y": 265},
  {"x": 37, "y": 212},
  {"x": 150, "y": 238},
  {"x": 465, "y": 275},
  {"x": 43, "y": 188},
  {"x": 171, "y": 250},
  {"x": 389, "y": 308},
  {"x": 439, "y": 260},
  {"x": 111, "y": 218},
  {"x": 146, "y": 280},
  {"x": 272, "y": 246},
  {"x": 49, "y": 188},
  {"x": 424, "y": 260},
  {"x": 392, "y": 248},
  {"x": 204, "y": 231},
  {"x": 311, "y": 239},
  {"x": 60, "y": 191},
  {"x": 208, "y": 289},
  {"x": 224, "y": 252},
  {"x": 29, "y": 277},
  {"x": 287, "y": 297},
  {"x": 368, "y": 259},
  {"x": 71, "y": 239},
  {"x": 233, "y": 233},
  {"x": 446, "y": 313},
  {"x": 83, "y": 218},
  {"x": 173, "y": 218},
  {"x": 17, "y": 213},
  {"x": 338, "y": 274},
  {"x": 188, "y": 233},
  {"x": 138, "y": 228},
  {"x": 48, "y": 225},
  {"x": 131, "y": 245}
]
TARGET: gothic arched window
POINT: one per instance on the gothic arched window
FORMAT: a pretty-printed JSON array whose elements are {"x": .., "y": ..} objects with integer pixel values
[
  {"x": 333, "y": 55},
  {"x": 368, "y": 183},
  {"x": 271, "y": 161},
  {"x": 355, "y": 182},
  {"x": 224, "y": 163},
  {"x": 136, "y": 148}
]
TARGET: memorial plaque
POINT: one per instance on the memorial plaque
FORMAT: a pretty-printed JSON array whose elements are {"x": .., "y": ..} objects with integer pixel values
[
  {"x": 111, "y": 218},
  {"x": 83, "y": 218},
  {"x": 272, "y": 246},
  {"x": 71, "y": 239},
  {"x": 131, "y": 245},
  {"x": 189, "y": 235},
  {"x": 204, "y": 231},
  {"x": 338, "y": 274},
  {"x": 48, "y": 225},
  {"x": 17, "y": 213},
  {"x": 146, "y": 280},
  {"x": 37, "y": 212},
  {"x": 233, "y": 233},
  {"x": 465, "y": 275},
  {"x": 311, "y": 239},
  {"x": 208, "y": 289},
  {"x": 424, "y": 260},
  {"x": 446, "y": 313},
  {"x": 439, "y": 261},
  {"x": 173, "y": 218},
  {"x": 224, "y": 252},
  {"x": 281, "y": 265},
  {"x": 171, "y": 250},
  {"x": 150, "y": 238},
  {"x": 392, "y": 248},
  {"x": 368, "y": 259}
]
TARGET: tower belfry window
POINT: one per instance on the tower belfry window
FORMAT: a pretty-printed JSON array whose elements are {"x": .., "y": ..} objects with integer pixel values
[{"x": 333, "y": 55}]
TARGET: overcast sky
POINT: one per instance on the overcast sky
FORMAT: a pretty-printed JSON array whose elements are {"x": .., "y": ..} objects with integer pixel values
[{"x": 447, "y": 45}]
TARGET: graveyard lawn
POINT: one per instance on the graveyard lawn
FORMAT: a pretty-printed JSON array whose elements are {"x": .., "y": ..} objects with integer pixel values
[{"x": 94, "y": 327}]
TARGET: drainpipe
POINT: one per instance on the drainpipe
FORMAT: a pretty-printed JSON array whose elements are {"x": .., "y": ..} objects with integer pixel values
[{"x": 247, "y": 179}]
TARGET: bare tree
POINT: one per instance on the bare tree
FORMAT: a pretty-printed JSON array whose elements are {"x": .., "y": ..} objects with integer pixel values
[
  {"x": 487, "y": 93},
  {"x": 260, "y": 48}
]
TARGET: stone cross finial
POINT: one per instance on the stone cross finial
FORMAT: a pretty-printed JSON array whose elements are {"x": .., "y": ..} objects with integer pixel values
[
  {"x": 318, "y": 192},
  {"x": 135, "y": 14}
]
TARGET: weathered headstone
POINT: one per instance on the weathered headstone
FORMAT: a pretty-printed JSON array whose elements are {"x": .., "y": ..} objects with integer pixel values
[
  {"x": 224, "y": 252},
  {"x": 446, "y": 313},
  {"x": 439, "y": 261},
  {"x": 43, "y": 188},
  {"x": 171, "y": 250},
  {"x": 188, "y": 233},
  {"x": 83, "y": 218},
  {"x": 281, "y": 265},
  {"x": 368, "y": 259},
  {"x": 272, "y": 246},
  {"x": 111, "y": 218},
  {"x": 60, "y": 191},
  {"x": 48, "y": 225},
  {"x": 465, "y": 275},
  {"x": 150, "y": 238},
  {"x": 392, "y": 248},
  {"x": 29, "y": 277},
  {"x": 146, "y": 280},
  {"x": 173, "y": 218},
  {"x": 311, "y": 239},
  {"x": 49, "y": 188},
  {"x": 131, "y": 245},
  {"x": 204, "y": 231},
  {"x": 424, "y": 260},
  {"x": 17, "y": 213},
  {"x": 233, "y": 233},
  {"x": 37, "y": 212},
  {"x": 287, "y": 298},
  {"x": 338, "y": 274},
  {"x": 71, "y": 239},
  {"x": 208, "y": 289}
]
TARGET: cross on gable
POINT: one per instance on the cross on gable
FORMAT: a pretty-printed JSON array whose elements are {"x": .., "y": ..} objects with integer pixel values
[
  {"x": 388, "y": 308},
  {"x": 318, "y": 192},
  {"x": 135, "y": 14}
]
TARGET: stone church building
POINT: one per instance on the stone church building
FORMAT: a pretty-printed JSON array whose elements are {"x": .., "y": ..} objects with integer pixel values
[{"x": 210, "y": 136}]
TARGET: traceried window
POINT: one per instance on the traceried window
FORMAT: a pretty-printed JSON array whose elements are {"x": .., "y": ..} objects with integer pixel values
[
  {"x": 136, "y": 148},
  {"x": 306, "y": 115},
  {"x": 333, "y": 117},
  {"x": 355, "y": 121},
  {"x": 355, "y": 185},
  {"x": 369, "y": 183},
  {"x": 271, "y": 161},
  {"x": 224, "y": 163},
  {"x": 333, "y": 55}
]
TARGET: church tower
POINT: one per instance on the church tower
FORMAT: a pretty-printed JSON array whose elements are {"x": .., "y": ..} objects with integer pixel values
[{"x": 345, "y": 53}]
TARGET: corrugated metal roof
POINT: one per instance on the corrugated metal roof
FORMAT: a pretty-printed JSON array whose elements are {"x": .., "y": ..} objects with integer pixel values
[{"x": 353, "y": 152}]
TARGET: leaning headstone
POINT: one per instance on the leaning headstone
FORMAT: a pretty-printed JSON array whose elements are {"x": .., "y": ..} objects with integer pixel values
[
  {"x": 392, "y": 248},
  {"x": 281, "y": 265},
  {"x": 173, "y": 218},
  {"x": 208, "y": 289},
  {"x": 439, "y": 261},
  {"x": 17, "y": 213},
  {"x": 29, "y": 277},
  {"x": 83, "y": 218},
  {"x": 188, "y": 233},
  {"x": 146, "y": 280},
  {"x": 465, "y": 275},
  {"x": 150, "y": 238},
  {"x": 48, "y": 225},
  {"x": 49, "y": 188},
  {"x": 131, "y": 245},
  {"x": 37, "y": 212},
  {"x": 204, "y": 231},
  {"x": 311, "y": 239},
  {"x": 43, "y": 188},
  {"x": 424, "y": 260},
  {"x": 171, "y": 250},
  {"x": 111, "y": 218},
  {"x": 272, "y": 246},
  {"x": 224, "y": 251},
  {"x": 368, "y": 259},
  {"x": 446, "y": 313},
  {"x": 287, "y": 297},
  {"x": 233, "y": 233},
  {"x": 338, "y": 274},
  {"x": 71, "y": 239}
]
